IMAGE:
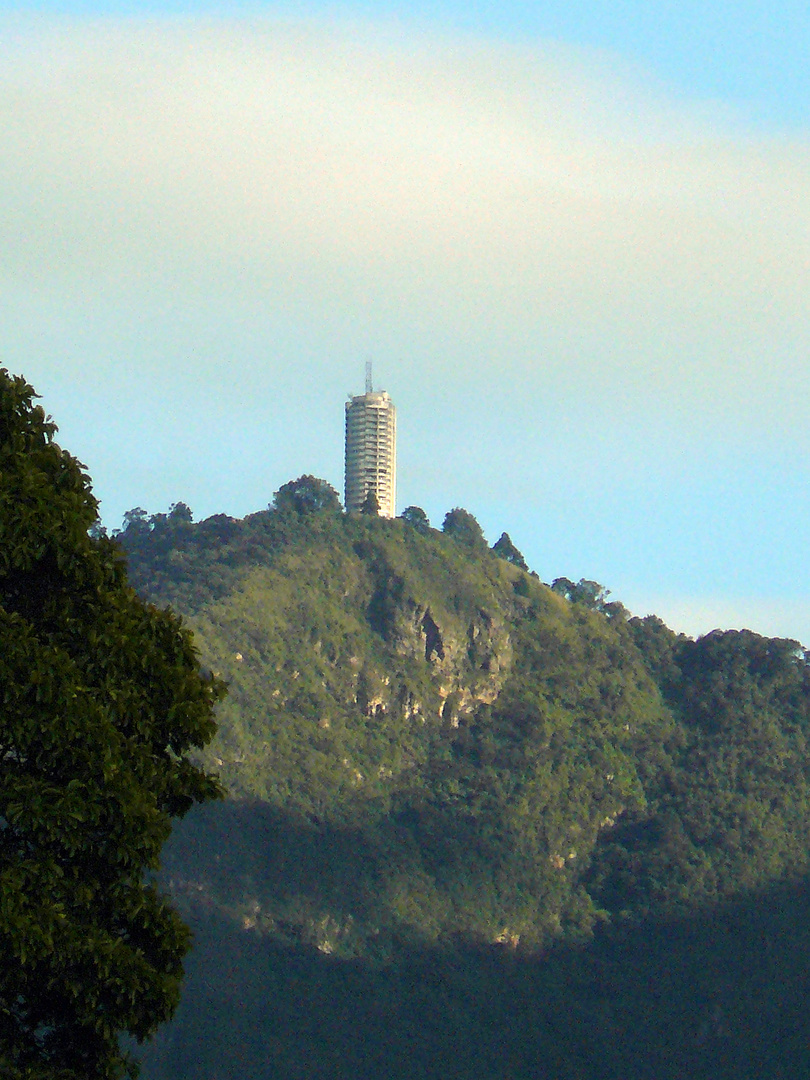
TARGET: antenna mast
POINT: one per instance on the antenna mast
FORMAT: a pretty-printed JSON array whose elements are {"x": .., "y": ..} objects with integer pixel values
[{"x": 368, "y": 376}]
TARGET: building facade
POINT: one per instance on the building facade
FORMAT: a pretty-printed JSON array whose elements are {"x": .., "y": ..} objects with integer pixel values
[{"x": 371, "y": 452}]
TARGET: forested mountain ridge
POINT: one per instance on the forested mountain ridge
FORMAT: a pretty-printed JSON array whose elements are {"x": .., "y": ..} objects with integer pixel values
[
  {"x": 478, "y": 827},
  {"x": 429, "y": 744}
]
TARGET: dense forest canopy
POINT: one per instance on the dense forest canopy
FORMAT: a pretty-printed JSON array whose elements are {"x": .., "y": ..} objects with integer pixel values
[{"x": 457, "y": 777}]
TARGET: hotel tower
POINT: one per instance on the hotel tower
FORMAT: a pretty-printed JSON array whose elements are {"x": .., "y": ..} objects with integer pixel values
[{"x": 371, "y": 450}]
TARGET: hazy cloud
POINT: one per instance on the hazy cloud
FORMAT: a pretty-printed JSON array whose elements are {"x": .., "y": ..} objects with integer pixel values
[{"x": 566, "y": 215}]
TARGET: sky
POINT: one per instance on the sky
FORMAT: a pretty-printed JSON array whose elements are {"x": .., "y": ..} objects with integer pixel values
[{"x": 573, "y": 239}]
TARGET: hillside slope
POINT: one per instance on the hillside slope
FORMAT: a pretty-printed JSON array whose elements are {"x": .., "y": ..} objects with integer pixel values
[
  {"x": 477, "y": 827},
  {"x": 424, "y": 743}
]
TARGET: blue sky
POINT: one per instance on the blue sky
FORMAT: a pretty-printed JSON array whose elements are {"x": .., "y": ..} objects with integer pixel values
[{"x": 574, "y": 239}]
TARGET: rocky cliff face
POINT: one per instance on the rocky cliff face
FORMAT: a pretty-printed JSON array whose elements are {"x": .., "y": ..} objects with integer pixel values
[{"x": 467, "y": 658}]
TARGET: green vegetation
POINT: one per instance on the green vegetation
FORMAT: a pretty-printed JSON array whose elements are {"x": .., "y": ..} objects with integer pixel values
[
  {"x": 504, "y": 548},
  {"x": 102, "y": 699},
  {"x": 462, "y": 526},
  {"x": 720, "y": 997},
  {"x": 454, "y": 787}
]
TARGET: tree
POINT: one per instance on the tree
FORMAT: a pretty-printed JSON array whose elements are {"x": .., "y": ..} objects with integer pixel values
[
  {"x": 416, "y": 517},
  {"x": 591, "y": 595},
  {"x": 136, "y": 523},
  {"x": 306, "y": 495},
  {"x": 371, "y": 505},
  {"x": 179, "y": 511},
  {"x": 462, "y": 526},
  {"x": 102, "y": 700},
  {"x": 505, "y": 549}
]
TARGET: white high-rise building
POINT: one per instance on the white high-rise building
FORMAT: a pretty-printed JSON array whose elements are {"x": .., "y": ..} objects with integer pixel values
[{"x": 371, "y": 450}]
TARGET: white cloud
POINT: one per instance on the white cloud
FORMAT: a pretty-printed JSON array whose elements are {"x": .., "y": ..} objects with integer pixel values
[{"x": 577, "y": 228}]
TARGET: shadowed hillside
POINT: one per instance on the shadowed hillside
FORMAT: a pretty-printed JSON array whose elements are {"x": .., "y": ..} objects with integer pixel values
[{"x": 721, "y": 997}]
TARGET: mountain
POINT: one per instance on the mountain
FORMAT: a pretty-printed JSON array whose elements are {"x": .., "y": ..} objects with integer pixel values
[{"x": 438, "y": 763}]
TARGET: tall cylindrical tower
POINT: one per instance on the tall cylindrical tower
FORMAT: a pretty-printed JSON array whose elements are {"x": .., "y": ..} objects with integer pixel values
[{"x": 371, "y": 452}]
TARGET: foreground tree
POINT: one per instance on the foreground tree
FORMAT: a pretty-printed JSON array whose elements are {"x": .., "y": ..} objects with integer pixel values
[{"x": 101, "y": 699}]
